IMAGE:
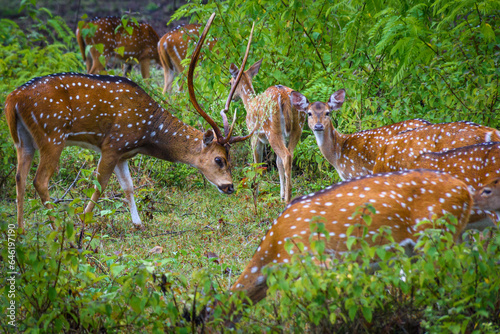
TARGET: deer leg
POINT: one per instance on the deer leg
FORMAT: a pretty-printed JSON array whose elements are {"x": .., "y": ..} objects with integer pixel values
[
  {"x": 97, "y": 67},
  {"x": 257, "y": 149},
  {"x": 88, "y": 62},
  {"x": 49, "y": 158},
  {"x": 123, "y": 174},
  {"x": 145, "y": 67},
  {"x": 126, "y": 68},
  {"x": 104, "y": 170},
  {"x": 168, "y": 75},
  {"x": 284, "y": 162},
  {"x": 25, "y": 152}
]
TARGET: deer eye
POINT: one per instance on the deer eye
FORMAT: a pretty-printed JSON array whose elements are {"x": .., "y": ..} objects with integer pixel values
[
  {"x": 486, "y": 191},
  {"x": 310, "y": 113},
  {"x": 327, "y": 113},
  {"x": 219, "y": 162}
]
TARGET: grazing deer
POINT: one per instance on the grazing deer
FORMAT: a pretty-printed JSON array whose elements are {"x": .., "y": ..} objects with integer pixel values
[
  {"x": 172, "y": 49},
  {"x": 475, "y": 165},
  {"x": 140, "y": 44},
  {"x": 351, "y": 154},
  {"x": 279, "y": 123},
  {"x": 401, "y": 151},
  {"x": 114, "y": 116},
  {"x": 401, "y": 201}
]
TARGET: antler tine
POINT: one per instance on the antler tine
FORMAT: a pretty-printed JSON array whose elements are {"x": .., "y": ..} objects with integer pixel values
[
  {"x": 226, "y": 124},
  {"x": 240, "y": 72},
  {"x": 233, "y": 140},
  {"x": 232, "y": 125},
  {"x": 192, "y": 65}
]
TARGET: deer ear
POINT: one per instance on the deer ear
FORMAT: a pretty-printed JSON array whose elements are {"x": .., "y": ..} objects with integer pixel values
[
  {"x": 233, "y": 69},
  {"x": 337, "y": 99},
  {"x": 299, "y": 101},
  {"x": 254, "y": 69},
  {"x": 208, "y": 137}
]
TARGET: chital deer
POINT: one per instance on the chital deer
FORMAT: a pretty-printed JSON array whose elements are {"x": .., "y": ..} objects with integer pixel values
[
  {"x": 279, "y": 123},
  {"x": 488, "y": 196},
  {"x": 114, "y": 116},
  {"x": 351, "y": 154},
  {"x": 401, "y": 201},
  {"x": 475, "y": 165},
  {"x": 400, "y": 152},
  {"x": 141, "y": 44},
  {"x": 172, "y": 50}
]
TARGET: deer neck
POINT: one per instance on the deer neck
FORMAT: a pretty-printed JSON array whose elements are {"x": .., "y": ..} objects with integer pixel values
[
  {"x": 172, "y": 140},
  {"x": 331, "y": 143},
  {"x": 247, "y": 95}
]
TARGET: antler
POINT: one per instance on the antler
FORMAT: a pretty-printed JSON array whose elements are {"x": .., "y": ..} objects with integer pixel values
[{"x": 227, "y": 131}]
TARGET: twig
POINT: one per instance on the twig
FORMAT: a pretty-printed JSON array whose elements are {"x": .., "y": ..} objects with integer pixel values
[
  {"x": 313, "y": 44},
  {"x": 7, "y": 176},
  {"x": 71, "y": 185}
]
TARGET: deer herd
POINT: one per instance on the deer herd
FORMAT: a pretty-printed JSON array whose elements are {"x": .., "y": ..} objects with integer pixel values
[{"x": 411, "y": 171}]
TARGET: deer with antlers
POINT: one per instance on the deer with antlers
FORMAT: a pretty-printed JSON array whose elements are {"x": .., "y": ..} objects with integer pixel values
[
  {"x": 115, "y": 117},
  {"x": 139, "y": 41},
  {"x": 402, "y": 200},
  {"x": 351, "y": 154},
  {"x": 475, "y": 165},
  {"x": 172, "y": 50},
  {"x": 279, "y": 123}
]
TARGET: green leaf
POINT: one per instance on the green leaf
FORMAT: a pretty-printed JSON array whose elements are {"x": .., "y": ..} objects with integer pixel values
[{"x": 116, "y": 269}]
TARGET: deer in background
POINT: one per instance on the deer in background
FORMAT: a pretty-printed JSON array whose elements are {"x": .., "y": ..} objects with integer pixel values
[
  {"x": 140, "y": 44},
  {"x": 113, "y": 116},
  {"x": 351, "y": 154},
  {"x": 172, "y": 49},
  {"x": 475, "y": 165},
  {"x": 278, "y": 122},
  {"x": 401, "y": 200}
]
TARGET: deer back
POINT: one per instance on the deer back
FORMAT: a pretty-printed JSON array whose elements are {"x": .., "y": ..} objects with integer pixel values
[
  {"x": 273, "y": 109},
  {"x": 402, "y": 200},
  {"x": 401, "y": 151},
  {"x": 141, "y": 44},
  {"x": 109, "y": 113},
  {"x": 173, "y": 46}
]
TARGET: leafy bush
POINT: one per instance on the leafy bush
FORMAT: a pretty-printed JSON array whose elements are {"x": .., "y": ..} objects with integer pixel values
[{"x": 446, "y": 288}]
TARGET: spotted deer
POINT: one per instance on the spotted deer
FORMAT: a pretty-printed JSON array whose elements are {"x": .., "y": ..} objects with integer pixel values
[
  {"x": 113, "y": 116},
  {"x": 402, "y": 200},
  {"x": 278, "y": 122},
  {"x": 475, "y": 165},
  {"x": 172, "y": 50},
  {"x": 351, "y": 154},
  {"x": 488, "y": 196},
  {"x": 140, "y": 44},
  {"x": 400, "y": 152}
]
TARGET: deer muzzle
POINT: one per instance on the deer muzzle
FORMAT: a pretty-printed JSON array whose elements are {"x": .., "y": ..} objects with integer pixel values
[
  {"x": 227, "y": 188},
  {"x": 319, "y": 127}
]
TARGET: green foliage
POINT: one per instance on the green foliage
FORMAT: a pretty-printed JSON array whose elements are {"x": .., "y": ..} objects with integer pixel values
[
  {"x": 446, "y": 288},
  {"x": 252, "y": 178},
  {"x": 396, "y": 59}
]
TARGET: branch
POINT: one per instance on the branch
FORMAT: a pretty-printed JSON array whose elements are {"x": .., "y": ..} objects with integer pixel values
[
  {"x": 71, "y": 185},
  {"x": 313, "y": 44}
]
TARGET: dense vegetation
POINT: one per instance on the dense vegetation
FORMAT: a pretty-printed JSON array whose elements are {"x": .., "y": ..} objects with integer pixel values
[{"x": 397, "y": 60}]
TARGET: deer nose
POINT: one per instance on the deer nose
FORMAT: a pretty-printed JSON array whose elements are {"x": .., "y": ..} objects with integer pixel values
[
  {"x": 227, "y": 189},
  {"x": 319, "y": 127}
]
